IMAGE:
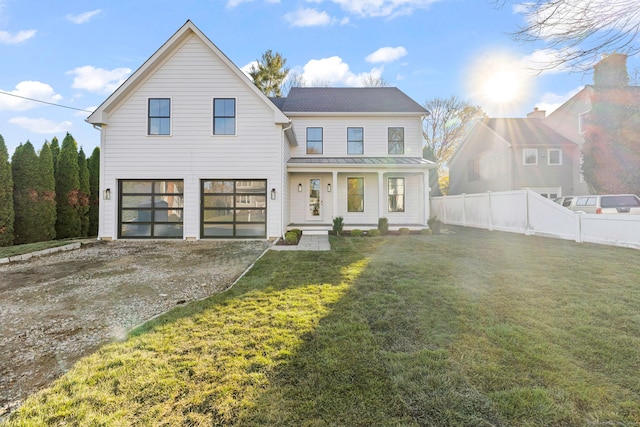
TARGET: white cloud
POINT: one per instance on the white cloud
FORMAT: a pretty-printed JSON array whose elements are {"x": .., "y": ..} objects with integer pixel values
[
  {"x": 41, "y": 125},
  {"x": 16, "y": 101},
  {"x": 308, "y": 18},
  {"x": 16, "y": 38},
  {"x": 83, "y": 17},
  {"x": 383, "y": 8},
  {"x": 234, "y": 3},
  {"x": 521, "y": 8},
  {"x": 545, "y": 61},
  {"x": 549, "y": 102},
  {"x": 248, "y": 67},
  {"x": 334, "y": 71},
  {"x": 98, "y": 80},
  {"x": 386, "y": 54}
]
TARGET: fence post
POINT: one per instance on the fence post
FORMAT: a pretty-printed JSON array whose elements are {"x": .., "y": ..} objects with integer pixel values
[
  {"x": 490, "y": 211},
  {"x": 578, "y": 218},
  {"x": 527, "y": 227},
  {"x": 464, "y": 209}
]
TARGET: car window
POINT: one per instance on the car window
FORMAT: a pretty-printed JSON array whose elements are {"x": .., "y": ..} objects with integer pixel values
[
  {"x": 567, "y": 202},
  {"x": 582, "y": 201},
  {"x": 619, "y": 201}
]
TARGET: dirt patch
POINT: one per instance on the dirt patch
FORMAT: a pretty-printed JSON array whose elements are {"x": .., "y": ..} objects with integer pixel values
[{"x": 61, "y": 307}]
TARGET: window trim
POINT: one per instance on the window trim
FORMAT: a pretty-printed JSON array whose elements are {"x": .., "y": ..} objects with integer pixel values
[
  {"x": 149, "y": 117},
  {"x": 361, "y": 141},
  {"x": 359, "y": 194},
  {"x": 321, "y": 139},
  {"x": 389, "y": 140},
  {"x": 524, "y": 156},
  {"x": 403, "y": 194},
  {"x": 549, "y": 150},
  {"x": 214, "y": 117}
]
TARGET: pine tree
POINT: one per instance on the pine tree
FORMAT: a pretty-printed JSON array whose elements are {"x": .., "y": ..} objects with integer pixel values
[
  {"x": 68, "y": 223},
  {"x": 94, "y": 185},
  {"x": 83, "y": 200},
  {"x": 25, "y": 170},
  {"x": 47, "y": 193},
  {"x": 269, "y": 73},
  {"x": 6, "y": 197}
]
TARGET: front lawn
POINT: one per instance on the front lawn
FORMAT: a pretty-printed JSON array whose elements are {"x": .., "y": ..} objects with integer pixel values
[{"x": 470, "y": 328}]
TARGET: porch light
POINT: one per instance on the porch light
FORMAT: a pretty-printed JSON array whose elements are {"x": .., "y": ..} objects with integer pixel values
[
  {"x": 106, "y": 195},
  {"x": 273, "y": 194},
  {"x": 300, "y": 188},
  {"x": 329, "y": 188}
]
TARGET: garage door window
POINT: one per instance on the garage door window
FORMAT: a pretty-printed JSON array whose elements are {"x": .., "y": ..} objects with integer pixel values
[
  {"x": 151, "y": 208},
  {"x": 234, "y": 208}
]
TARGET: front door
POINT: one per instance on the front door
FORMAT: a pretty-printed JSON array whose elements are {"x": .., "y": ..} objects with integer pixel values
[{"x": 314, "y": 205}]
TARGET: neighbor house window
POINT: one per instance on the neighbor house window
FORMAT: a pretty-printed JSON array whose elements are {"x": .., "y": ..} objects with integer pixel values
[
  {"x": 314, "y": 140},
  {"x": 355, "y": 194},
  {"x": 355, "y": 140},
  {"x": 582, "y": 122},
  {"x": 396, "y": 140},
  {"x": 224, "y": 116},
  {"x": 554, "y": 156},
  {"x": 159, "y": 116},
  {"x": 396, "y": 194},
  {"x": 530, "y": 156}
]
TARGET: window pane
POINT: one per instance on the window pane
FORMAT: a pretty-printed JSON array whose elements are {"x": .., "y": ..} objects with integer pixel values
[
  {"x": 396, "y": 140},
  {"x": 246, "y": 201},
  {"x": 355, "y": 134},
  {"x": 159, "y": 107},
  {"x": 169, "y": 201},
  {"x": 554, "y": 157},
  {"x": 314, "y": 147},
  {"x": 135, "y": 230},
  {"x": 224, "y": 107},
  {"x": 136, "y": 186},
  {"x": 218, "y": 215},
  {"x": 355, "y": 140},
  {"x": 218, "y": 230},
  {"x": 224, "y": 126},
  {"x": 250, "y": 215},
  {"x": 396, "y": 194},
  {"x": 218, "y": 186},
  {"x": 530, "y": 156},
  {"x": 250, "y": 230},
  {"x": 355, "y": 147},
  {"x": 251, "y": 186},
  {"x": 218, "y": 201},
  {"x": 355, "y": 194},
  {"x": 170, "y": 187},
  {"x": 136, "y": 201},
  {"x": 136, "y": 215},
  {"x": 167, "y": 230},
  {"x": 174, "y": 215},
  {"x": 314, "y": 140}
]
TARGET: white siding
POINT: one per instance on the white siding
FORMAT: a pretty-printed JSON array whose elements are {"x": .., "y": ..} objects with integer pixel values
[
  {"x": 192, "y": 77},
  {"x": 375, "y": 135}
]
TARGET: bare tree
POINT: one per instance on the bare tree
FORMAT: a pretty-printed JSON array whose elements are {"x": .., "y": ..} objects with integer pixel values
[
  {"x": 293, "y": 80},
  {"x": 445, "y": 127},
  {"x": 370, "y": 80},
  {"x": 579, "y": 31}
]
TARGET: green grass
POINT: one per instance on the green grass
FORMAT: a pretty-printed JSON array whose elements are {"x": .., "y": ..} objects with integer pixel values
[
  {"x": 469, "y": 328},
  {"x": 9, "y": 251}
]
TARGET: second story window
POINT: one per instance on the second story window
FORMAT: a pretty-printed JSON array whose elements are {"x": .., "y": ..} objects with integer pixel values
[
  {"x": 314, "y": 140},
  {"x": 530, "y": 156},
  {"x": 396, "y": 140},
  {"x": 159, "y": 116},
  {"x": 554, "y": 157},
  {"x": 224, "y": 116},
  {"x": 355, "y": 140}
]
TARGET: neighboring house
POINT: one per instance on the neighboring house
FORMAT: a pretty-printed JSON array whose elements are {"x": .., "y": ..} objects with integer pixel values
[{"x": 191, "y": 149}]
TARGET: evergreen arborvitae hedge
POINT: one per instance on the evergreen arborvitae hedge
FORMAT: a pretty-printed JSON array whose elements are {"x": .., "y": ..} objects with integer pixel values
[
  {"x": 26, "y": 179},
  {"x": 83, "y": 200},
  {"x": 94, "y": 194},
  {"x": 47, "y": 193},
  {"x": 6, "y": 197},
  {"x": 54, "y": 145},
  {"x": 68, "y": 221}
]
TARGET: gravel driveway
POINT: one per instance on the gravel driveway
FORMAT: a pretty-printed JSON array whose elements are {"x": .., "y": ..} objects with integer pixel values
[{"x": 58, "y": 308}]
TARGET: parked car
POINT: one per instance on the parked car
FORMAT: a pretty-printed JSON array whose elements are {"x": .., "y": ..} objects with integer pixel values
[
  {"x": 606, "y": 204},
  {"x": 563, "y": 201}
]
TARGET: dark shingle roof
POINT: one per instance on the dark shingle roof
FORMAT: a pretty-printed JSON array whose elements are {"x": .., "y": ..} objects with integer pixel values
[
  {"x": 524, "y": 132},
  {"x": 347, "y": 100}
]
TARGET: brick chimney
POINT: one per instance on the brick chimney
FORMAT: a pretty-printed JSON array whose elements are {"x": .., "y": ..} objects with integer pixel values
[
  {"x": 611, "y": 71},
  {"x": 537, "y": 114}
]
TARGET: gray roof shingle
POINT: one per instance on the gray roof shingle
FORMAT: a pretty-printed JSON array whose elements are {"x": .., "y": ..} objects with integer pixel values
[
  {"x": 348, "y": 100},
  {"x": 523, "y": 132}
]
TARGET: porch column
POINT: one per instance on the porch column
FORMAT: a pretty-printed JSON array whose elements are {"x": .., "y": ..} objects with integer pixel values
[
  {"x": 334, "y": 195},
  {"x": 380, "y": 194},
  {"x": 427, "y": 200}
]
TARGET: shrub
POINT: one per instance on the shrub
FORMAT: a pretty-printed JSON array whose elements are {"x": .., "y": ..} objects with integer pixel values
[
  {"x": 434, "y": 224},
  {"x": 383, "y": 225},
  {"x": 357, "y": 233},
  {"x": 426, "y": 232},
  {"x": 298, "y": 232},
  {"x": 291, "y": 237},
  {"x": 404, "y": 231},
  {"x": 373, "y": 233},
  {"x": 338, "y": 224}
]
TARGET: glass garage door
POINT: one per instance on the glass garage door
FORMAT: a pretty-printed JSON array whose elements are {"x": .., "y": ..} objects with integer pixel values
[
  {"x": 151, "y": 209},
  {"x": 234, "y": 208}
]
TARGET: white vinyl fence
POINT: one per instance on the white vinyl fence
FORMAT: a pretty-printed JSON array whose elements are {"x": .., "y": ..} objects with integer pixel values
[{"x": 529, "y": 213}]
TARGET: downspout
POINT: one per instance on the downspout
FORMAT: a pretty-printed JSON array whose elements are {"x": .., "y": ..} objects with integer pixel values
[{"x": 284, "y": 170}]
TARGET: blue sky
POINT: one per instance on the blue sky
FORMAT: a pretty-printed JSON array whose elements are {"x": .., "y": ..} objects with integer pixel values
[{"x": 75, "y": 53}]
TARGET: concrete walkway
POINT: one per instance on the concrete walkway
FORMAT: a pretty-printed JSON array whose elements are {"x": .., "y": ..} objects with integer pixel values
[{"x": 308, "y": 242}]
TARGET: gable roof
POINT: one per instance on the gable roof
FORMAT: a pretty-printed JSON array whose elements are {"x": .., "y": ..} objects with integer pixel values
[
  {"x": 526, "y": 132},
  {"x": 386, "y": 100},
  {"x": 99, "y": 116}
]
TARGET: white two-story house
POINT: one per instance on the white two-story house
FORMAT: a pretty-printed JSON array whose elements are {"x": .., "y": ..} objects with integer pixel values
[{"x": 191, "y": 149}]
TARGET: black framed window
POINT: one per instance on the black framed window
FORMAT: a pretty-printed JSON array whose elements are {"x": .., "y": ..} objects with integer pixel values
[
  {"x": 151, "y": 208},
  {"x": 314, "y": 140},
  {"x": 224, "y": 116},
  {"x": 234, "y": 208},
  {"x": 396, "y": 140},
  {"x": 355, "y": 194},
  {"x": 355, "y": 140},
  {"x": 159, "y": 111},
  {"x": 396, "y": 194}
]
